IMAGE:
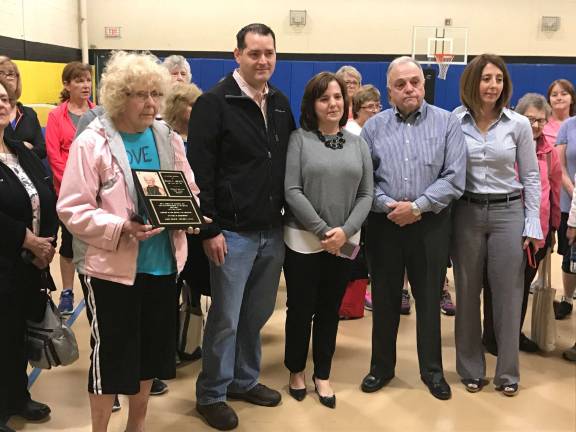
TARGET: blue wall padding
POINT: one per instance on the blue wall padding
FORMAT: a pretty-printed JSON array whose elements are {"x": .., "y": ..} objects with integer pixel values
[{"x": 291, "y": 77}]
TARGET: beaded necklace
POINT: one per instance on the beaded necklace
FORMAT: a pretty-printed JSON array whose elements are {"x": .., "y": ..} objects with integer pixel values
[{"x": 335, "y": 143}]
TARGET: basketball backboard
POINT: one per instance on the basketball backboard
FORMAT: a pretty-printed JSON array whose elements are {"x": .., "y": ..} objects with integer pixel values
[{"x": 429, "y": 43}]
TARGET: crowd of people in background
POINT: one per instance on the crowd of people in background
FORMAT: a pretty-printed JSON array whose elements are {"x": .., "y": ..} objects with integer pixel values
[{"x": 415, "y": 187}]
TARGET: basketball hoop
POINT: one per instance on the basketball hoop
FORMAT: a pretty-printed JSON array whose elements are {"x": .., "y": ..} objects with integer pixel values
[{"x": 443, "y": 60}]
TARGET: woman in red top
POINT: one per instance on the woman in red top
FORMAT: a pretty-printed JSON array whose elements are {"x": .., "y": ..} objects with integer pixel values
[{"x": 60, "y": 131}]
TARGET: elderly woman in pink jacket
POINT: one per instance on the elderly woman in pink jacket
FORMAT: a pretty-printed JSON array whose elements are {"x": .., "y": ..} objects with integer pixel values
[{"x": 127, "y": 269}]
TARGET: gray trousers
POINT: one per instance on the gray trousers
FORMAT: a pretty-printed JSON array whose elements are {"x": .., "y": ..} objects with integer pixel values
[{"x": 488, "y": 238}]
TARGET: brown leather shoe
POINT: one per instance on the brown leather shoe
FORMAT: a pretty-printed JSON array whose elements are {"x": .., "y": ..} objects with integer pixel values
[{"x": 218, "y": 415}]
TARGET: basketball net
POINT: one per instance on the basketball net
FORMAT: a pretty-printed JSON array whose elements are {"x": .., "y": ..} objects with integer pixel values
[{"x": 443, "y": 60}]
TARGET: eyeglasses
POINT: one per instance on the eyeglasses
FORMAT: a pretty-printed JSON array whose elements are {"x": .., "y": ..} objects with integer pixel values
[
  {"x": 143, "y": 96},
  {"x": 8, "y": 75},
  {"x": 540, "y": 122},
  {"x": 351, "y": 83},
  {"x": 372, "y": 107}
]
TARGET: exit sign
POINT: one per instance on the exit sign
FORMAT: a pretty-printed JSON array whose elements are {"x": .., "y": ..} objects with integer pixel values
[{"x": 112, "y": 32}]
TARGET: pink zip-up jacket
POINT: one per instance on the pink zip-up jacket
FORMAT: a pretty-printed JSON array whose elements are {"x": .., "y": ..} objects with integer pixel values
[
  {"x": 550, "y": 183},
  {"x": 98, "y": 194},
  {"x": 60, "y": 132}
]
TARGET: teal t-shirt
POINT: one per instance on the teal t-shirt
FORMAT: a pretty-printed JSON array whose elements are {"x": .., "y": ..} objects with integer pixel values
[{"x": 155, "y": 255}]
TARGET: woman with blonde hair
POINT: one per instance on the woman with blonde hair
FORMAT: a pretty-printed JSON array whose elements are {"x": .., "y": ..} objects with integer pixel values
[
  {"x": 352, "y": 78},
  {"x": 127, "y": 267},
  {"x": 196, "y": 272},
  {"x": 178, "y": 106}
]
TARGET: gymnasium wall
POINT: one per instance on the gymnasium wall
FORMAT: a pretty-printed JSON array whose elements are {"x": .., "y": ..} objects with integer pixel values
[
  {"x": 41, "y": 81},
  {"x": 53, "y": 22},
  {"x": 43, "y": 35},
  {"x": 507, "y": 27}
]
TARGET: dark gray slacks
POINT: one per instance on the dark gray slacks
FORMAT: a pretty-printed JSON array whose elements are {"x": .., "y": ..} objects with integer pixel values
[
  {"x": 420, "y": 249},
  {"x": 488, "y": 237}
]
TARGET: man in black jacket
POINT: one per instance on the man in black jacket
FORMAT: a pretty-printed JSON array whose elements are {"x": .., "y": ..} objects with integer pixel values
[{"x": 237, "y": 143}]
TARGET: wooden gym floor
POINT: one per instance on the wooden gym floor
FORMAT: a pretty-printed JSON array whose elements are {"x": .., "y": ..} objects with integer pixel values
[{"x": 546, "y": 402}]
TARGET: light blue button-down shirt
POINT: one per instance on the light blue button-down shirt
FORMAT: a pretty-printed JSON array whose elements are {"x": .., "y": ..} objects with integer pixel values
[
  {"x": 503, "y": 161},
  {"x": 567, "y": 136},
  {"x": 420, "y": 159}
]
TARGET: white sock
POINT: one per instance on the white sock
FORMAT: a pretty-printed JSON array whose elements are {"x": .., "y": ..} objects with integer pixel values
[{"x": 567, "y": 299}]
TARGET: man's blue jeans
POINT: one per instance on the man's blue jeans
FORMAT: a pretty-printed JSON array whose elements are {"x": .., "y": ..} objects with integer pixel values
[{"x": 243, "y": 298}]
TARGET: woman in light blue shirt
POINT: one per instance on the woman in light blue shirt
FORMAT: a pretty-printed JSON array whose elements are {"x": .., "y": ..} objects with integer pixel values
[{"x": 495, "y": 222}]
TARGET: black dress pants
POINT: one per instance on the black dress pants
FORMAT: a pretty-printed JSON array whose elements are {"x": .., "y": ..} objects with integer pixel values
[
  {"x": 315, "y": 285},
  {"x": 13, "y": 361},
  {"x": 421, "y": 249}
]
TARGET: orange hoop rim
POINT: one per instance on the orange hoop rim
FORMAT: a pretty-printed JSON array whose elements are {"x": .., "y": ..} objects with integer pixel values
[{"x": 444, "y": 58}]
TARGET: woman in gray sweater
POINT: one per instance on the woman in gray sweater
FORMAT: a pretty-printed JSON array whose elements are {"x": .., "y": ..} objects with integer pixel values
[{"x": 328, "y": 188}]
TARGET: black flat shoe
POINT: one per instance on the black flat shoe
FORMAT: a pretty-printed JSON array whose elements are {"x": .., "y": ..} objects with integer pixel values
[
  {"x": 372, "y": 383},
  {"x": 439, "y": 389},
  {"x": 327, "y": 401}
]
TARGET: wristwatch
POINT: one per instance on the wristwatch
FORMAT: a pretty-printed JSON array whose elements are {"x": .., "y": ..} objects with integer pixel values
[{"x": 416, "y": 210}]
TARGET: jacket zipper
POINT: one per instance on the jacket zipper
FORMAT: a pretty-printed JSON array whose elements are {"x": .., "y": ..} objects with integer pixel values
[{"x": 233, "y": 204}]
